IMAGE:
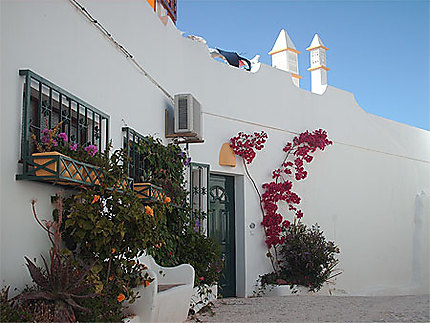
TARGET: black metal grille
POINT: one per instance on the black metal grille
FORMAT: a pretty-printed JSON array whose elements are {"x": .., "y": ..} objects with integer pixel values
[
  {"x": 136, "y": 165},
  {"x": 199, "y": 182},
  {"x": 46, "y": 105}
]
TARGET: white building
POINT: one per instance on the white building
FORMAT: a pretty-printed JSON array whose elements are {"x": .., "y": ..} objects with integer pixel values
[{"x": 369, "y": 191}]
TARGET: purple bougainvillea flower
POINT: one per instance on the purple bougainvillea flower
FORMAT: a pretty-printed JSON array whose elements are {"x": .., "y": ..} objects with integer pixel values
[
  {"x": 46, "y": 131},
  {"x": 188, "y": 161},
  {"x": 91, "y": 150},
  {"x": 54, "y": 142},
  {"x": 63, "y": 136},
  {"x": 44, "y": 139},
  {"x": 74, "y": 147},
  {"x": 196, "y": 226}
]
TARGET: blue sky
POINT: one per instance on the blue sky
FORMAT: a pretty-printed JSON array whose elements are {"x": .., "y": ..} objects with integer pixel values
[{"x": 378, "y": 50}]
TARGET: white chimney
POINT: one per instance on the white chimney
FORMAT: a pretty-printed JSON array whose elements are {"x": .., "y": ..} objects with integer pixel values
[
  {"x": 285, "y": 56},
  {"x": 318, "y": 67}
]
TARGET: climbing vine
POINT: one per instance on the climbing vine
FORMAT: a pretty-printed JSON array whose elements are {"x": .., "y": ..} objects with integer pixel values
[{"x": 298, "y": 152}]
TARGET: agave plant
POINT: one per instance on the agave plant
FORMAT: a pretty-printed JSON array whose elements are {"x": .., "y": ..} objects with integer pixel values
[{"x": 60, "y": 283}]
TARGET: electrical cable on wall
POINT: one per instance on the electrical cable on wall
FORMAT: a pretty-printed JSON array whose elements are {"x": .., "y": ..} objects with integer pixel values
[
  {"x": 121, "y": 48},
  {"x": 130, "y": 57}
]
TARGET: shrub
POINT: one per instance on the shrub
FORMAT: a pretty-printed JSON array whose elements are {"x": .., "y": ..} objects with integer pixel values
[
  {"x": 60, "y": 284},
  {"x": 11, "y": 310},
  {"x": 105, "y": 227},
  {"x": 180, "y": 237},
  {"x": 306, "y": 258},
  {"x": 108, "y": 223},
  {"x": 206, "y": 261}
]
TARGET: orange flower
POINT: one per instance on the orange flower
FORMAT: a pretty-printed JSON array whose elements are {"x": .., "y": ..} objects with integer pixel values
[
  {"x": 120, "y": 297},
  {"x": 167, "y": 200},
  {"x": 146, "y": 283},
  {"x": 149, "y": 211},
  {"x": 113, "y": 250},
  {"x": 95, "y": 199},
  {"x": 111, "y": 278}
]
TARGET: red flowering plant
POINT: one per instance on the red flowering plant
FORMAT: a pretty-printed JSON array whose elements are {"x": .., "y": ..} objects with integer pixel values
[
  {"x": 298, "y": 152},
  {"x": 245, "y": 146}
]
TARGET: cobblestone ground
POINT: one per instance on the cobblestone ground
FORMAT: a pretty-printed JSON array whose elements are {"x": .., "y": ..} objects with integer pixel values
[{"x": 298, "y": 308}]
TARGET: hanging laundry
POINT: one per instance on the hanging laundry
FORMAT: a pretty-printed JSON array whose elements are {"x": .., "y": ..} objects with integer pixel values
[{"x": 234, "y": 59}]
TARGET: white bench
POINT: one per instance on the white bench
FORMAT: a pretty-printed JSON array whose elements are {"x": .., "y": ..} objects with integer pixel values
[{"x": 167, "y": 298}]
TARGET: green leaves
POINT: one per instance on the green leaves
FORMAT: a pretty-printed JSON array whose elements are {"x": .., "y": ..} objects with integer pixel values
[
  {"x": 108, "y": 223},
  {"x": 307, "y": 258}
]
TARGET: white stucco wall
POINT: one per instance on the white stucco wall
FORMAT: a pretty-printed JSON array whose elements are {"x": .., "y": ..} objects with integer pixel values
[{"x": 369, "y": 191}]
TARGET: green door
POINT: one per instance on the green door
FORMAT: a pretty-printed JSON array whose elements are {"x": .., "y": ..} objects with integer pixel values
[{"x": 221, "y": 228}]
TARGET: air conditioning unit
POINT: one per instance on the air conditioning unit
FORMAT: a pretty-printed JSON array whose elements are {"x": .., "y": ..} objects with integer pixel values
[{"x": 187, "y": 114}]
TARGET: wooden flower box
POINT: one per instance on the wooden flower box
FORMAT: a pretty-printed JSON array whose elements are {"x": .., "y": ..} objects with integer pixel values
[
  {"x": 149, "y": 192},
  {"x": 57, "y": 168}
]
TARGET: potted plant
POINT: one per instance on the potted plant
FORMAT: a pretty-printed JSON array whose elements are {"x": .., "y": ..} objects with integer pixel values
[
  {"x": 57, "y": 158},
  {"x": 160, "y": 164},
  {"x": 307, "y": 260},
  {"x": 61, "y": 285}
]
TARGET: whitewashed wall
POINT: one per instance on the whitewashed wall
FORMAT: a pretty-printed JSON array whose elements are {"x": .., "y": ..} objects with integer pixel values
[{"x": 369, "y": 191}]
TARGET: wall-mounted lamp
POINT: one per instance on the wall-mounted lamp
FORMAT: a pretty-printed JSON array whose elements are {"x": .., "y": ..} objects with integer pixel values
[{"x": 226, "y": 156}]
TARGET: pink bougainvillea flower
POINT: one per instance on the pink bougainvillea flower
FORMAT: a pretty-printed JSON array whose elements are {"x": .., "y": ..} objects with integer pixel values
[
  {"x": 62, "y": 136},
  {"x": 74, "y": 147},
  {"x": 45, "y": 139},
  {"x": 245, "y": 145},
  {"x": 91, "y": 150}
]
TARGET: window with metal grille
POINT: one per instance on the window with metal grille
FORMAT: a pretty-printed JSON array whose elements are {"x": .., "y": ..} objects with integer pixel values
[
  {"x": 136, "y": 165},
  {"x": 198, "y": 180},
  {"x": 46, "y": 104}
]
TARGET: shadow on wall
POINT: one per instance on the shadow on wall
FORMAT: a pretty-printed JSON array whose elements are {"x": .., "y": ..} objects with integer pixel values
[{"x": 420, "y": 272}]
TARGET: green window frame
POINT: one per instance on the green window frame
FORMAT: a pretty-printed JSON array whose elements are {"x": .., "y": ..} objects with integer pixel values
[
  {"x": 131, "y": 142},
  {"x": 44, "y": 106},
  {"x": 198, "y": 178}
]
